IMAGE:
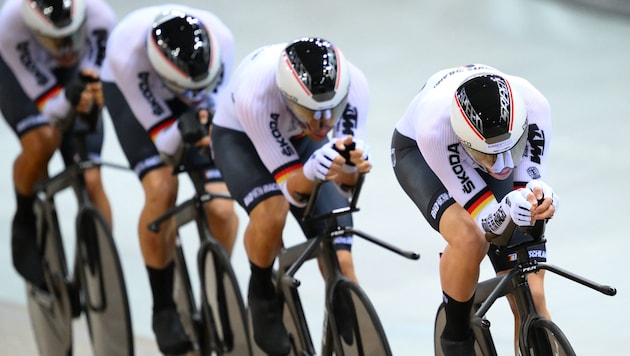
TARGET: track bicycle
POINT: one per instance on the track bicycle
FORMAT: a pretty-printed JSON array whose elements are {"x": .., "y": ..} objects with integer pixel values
[
  {"x": 95, "y": 286},
  {"x": 351, "y": 324},
  {"x": 217, "y": 323},
  {"x": 537, "y": 336}
]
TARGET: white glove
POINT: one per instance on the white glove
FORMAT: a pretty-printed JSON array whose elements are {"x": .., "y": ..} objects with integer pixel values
[
  {"x": 514, "y": 206},
  {"x": 319, "y": 163},
  {"x": 547, "y": 192}
]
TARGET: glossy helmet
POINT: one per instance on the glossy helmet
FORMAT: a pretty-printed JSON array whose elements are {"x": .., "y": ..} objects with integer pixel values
[
  {"x": 59, "y": 25},
  {"x": 184, "y": 53},
  {"x": 313, "y": 75},
  {"x": 489, "y": 118}
]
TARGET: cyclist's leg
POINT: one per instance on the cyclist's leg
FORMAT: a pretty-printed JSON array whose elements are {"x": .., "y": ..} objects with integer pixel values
[
  {"x": 459, "y": 265},
  {"x": 160, "y": 190},
  {"x": 38, "y": 142},
  {"x": 256, "y": 190},
  {"x": 222, "y": 217}
]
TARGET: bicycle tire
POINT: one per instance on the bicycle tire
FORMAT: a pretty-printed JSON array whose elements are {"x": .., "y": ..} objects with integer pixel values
[
  {"x": 357, "y": 329},
  {"x": 51, "y": 311},
  {"x": 222, "y": 302},
  {"x": 544, "y": 338},
  {"x": 184, "y": 297},
  {"x": 103, "y": 286}
]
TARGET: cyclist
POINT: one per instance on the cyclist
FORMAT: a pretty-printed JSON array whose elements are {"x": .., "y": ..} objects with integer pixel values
[
  {"x": 50, "y": 57},
  {"x": 166, "y": 64},
  {"x": 270, "y": 140},
  {"x": 471, "y": 152}
]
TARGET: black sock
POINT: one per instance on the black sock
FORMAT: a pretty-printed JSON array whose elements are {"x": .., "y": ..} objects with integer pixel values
[
  {"x": 260, "y": 284},
  {"x": 161, "y": 281},
  {"x": 24, "y": 208},
  {"x": 457, "y": 326}
]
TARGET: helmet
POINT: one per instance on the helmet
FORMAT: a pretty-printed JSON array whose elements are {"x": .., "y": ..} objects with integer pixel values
[
  {"x": 59, "y": 25},
  {"x": 489, "y": 118},
  {"x": 184, "y": 53},
  {"x": 313, "y": 76}
]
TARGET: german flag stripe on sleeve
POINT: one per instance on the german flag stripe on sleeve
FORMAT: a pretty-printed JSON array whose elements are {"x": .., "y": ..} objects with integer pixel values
[
  {"x": 282, "y": 173},
  {"x": 46, "y": 96},
  {"x": 155, "y": 130},
  {"x": 479, "y": 202}
]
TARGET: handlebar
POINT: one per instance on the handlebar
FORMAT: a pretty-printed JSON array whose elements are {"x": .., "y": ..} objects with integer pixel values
[
  {"x": 186, "y": 211},
  {"x": 312, "y": 244}
]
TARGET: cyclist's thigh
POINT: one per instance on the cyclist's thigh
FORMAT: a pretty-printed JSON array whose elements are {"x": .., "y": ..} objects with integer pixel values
[
  {"x": 418, "y": 180},
  {"x": 18, "y": 110},
  {"x": 133, "y": 138},
  {"x": 247, "y": 178}
]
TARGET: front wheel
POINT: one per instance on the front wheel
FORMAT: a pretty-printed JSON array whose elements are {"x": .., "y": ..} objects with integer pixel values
[
  {"x": 357, "y": 329},
  {"x": 51, "y": 310},
  {"x": 222, "y": 302},
  {"x": 543, "y": 337},
  {"x": 103, "y": 286}
]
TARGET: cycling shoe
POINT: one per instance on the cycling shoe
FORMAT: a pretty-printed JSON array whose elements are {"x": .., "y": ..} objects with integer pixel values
[
  {"x": 169, "y": 332},
  {"x": 457, "y": 348},
  {"x": 26, "y": 256},
  {"x": 269, "y": 331}
]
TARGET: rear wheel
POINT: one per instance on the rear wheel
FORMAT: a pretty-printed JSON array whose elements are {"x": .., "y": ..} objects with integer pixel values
[
  {"x": 357, "y": 327},
  {"x": 222, "y": 302},
  {"x": 51, "y": 311},
  {"x": 103, "y": 286},
  {"x": 545, "y": 338}
]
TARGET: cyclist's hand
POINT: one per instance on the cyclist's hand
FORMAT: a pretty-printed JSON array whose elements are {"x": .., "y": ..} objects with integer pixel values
[
  {"x": 543, "y": 193},
  {"x": 78, "y": 93},
  {"x": 324, "y": 164},
  {"x": 355, "y": 153},
  {"x": 519, "y": 205},
  {"x": 191, "y": 128},
  {"x": 94, "y": 86},
  {"x": 360, "y": 157}
]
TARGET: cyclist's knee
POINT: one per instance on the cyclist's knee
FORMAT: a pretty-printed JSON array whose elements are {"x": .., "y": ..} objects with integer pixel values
[
  {"x": 222, "y": 209},
  {"x": 271, "y": 213},
  {"x": 462, "y": 234},
  {"x": 160, "y": 185},
  {"x": 39, "y": 144}
]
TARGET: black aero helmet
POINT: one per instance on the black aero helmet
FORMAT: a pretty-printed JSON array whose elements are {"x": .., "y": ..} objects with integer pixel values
[
  {"x": 313, "y": 75},
  {"x": 183, "y": 52},
  {"x": 59, "y": 25},
  {"x": 489, "y": 117}
]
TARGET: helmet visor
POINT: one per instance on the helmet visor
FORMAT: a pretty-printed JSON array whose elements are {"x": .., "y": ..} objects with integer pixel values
[
  {"x": 488, "y": 160},
  {"x": 64, "y": 46},
  {"x": 305, "y": 115}
]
